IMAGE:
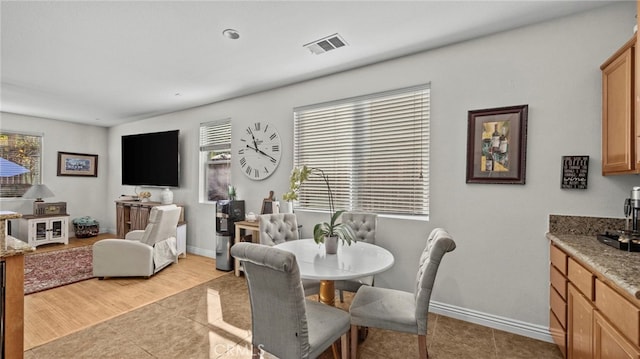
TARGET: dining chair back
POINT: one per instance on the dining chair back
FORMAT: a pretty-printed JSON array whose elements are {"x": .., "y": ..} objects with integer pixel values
[
  {"x": 402, "y": 311},
  {"x": 283, "y": 322},
  {"x": 278, "y": 228},
  {"x": 364, "y": 226}
]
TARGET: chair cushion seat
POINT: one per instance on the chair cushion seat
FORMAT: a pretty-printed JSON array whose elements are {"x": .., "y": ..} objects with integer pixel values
[
  {"x": 352, "y": 285},
  {"x": 326, "y": 325},
  {"x": 384, "y": 308}
]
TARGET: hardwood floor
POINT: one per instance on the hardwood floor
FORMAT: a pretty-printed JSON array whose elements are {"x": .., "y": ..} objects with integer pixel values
[{"x": 60, "y": 311}]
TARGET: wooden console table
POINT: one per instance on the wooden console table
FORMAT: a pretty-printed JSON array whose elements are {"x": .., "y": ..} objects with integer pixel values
[{"x": 253, "y": 226}]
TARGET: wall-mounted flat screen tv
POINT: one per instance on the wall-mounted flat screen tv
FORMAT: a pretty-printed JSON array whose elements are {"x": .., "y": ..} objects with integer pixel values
[{"x": 151, "y": 159}]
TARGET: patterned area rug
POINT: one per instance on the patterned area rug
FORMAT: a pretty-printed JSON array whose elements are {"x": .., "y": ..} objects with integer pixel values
[{"x": 53, "y": 269}]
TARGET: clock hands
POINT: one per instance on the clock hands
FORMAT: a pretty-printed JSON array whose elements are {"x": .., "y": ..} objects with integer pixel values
[
  {"x": 265, "y": 154},
  {"x": 261, "y": 152},
  {"x": 255, "y": 144}
]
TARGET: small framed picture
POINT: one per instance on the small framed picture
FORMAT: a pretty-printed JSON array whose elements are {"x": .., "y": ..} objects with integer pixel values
[
  {"x": 497, "y": 145},
  {"x": 77, "y": 164}
]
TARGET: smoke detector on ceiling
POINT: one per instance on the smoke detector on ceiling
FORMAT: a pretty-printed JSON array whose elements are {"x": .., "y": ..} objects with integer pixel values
[{"x": 325, "y": 44}]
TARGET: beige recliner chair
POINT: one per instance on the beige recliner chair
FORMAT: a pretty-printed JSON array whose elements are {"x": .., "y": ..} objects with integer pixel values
[{"x": 141, "y": 253}]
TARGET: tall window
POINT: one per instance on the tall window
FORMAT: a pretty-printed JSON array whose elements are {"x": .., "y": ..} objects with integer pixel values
[
  {"x": 375, "y": 149},
  {"x": 215, "y": 157},
  {"x": 20, "y": 163}
]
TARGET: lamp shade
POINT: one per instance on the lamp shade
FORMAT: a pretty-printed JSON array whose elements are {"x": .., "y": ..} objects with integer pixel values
[{"x": 38, "y": 192}]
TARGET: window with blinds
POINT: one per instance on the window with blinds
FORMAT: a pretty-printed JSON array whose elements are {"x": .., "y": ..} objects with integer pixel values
[
  {"x": 20, "y": 162},
  {"x": 215, "y": 155},
  {"x": 374, "y": 148}
]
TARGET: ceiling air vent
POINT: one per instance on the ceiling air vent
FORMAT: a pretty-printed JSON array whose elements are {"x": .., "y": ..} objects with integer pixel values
[{"x": 328, "y": 43}]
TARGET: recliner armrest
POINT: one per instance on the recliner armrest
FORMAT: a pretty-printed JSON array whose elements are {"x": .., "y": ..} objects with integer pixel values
[
  {"x": 121, "y": 258},
  {"x": 135, "y": 235}
]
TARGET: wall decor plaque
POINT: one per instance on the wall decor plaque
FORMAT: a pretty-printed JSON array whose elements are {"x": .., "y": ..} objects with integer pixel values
[{"x": 575, "y": 170}]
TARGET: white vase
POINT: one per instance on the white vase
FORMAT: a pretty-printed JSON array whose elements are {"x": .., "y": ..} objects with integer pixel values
[
  {"x": 331, "y": 245},
  {"x": 286, "y": 207},
  {"x": 166, "y": 196}
]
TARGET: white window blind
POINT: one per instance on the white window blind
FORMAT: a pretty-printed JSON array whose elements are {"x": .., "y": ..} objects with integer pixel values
[
  {"x": 375, "y": 149},
  {"x": 215, "y": 136},
  {"x": 215, "y": 158}
]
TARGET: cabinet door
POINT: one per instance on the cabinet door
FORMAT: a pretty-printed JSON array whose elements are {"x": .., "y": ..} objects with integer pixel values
[
  {"x": 618, "y": 132},
  {"x": 135, "y": 218},
  {"x": 57, "y": 228},
  {"x": 39, "y": 230},
  {"x": 608, "y": 343},
  {"x": 122, "y": 215},
  {"x": 579, "y": 326}
]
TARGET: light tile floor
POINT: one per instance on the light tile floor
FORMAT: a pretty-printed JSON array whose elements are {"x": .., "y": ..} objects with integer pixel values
[{"x": 213, "y": 321}]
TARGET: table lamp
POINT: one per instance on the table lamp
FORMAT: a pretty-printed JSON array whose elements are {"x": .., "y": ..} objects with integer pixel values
[{"x": 38, "y": 192}]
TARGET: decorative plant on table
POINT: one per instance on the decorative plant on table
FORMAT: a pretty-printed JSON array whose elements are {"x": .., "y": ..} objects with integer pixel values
[{"x": 325, "y": 231}]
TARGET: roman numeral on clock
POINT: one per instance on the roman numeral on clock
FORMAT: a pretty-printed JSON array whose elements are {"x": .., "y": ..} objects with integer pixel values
[{"x": 243, "y": 162}]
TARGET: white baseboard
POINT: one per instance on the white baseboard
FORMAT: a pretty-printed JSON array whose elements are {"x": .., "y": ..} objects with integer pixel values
[
  {"x": 201, "y": 252},
  {"x": 492, "y": 321}
]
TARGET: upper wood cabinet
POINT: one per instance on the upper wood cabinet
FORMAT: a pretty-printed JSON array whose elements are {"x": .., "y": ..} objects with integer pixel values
[{"x": 620, "y": 132}]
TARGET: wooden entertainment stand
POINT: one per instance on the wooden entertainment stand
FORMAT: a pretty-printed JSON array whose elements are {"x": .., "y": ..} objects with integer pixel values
[{"x": 134, "y": 215}]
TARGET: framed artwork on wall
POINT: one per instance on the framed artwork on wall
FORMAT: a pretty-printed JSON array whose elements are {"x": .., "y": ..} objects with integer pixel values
[
  {"x": 77, "y": 164},
  {"x": 497, "y": 145}
]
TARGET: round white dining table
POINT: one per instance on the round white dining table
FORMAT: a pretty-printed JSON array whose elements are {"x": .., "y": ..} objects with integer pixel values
[{"x": 357, "y": 260}]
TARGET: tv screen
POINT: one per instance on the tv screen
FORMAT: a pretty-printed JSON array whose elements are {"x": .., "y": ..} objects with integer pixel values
[{"x": 151, "y": 159}]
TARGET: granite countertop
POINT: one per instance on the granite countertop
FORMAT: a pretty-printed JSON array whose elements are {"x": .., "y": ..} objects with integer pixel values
[
  {"x": 620, "y": 267},
  {"x": 10, "y": 246}
]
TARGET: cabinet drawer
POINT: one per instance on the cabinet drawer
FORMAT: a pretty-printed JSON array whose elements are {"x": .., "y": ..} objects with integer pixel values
[
  {"x": 620, "y": 312},
  {"x": 558, "y": 281},
  {"x": 558, "y": 306},
  {"x": 558, "y": 333},
  {"x": 581, "y": 278},
  {"x": 558, "y": 259}
]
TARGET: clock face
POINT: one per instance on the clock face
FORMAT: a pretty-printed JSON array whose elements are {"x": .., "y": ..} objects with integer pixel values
[{"x": 260, "y": 150}]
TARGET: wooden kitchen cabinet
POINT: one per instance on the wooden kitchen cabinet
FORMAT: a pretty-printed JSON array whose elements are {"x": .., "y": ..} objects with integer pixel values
[
  {"x": 620, "y": 130},
  {"x": 609, "y": 342},
  {"x": 558, "y": 298},
  {"x": 579, "y": 326},
  {"x": 602, "y": 320}
]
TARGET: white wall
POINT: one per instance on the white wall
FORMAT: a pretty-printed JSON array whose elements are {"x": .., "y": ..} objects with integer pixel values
[
  {"x": 499, "y": 272},
  {"x": 85, "y": 196}
]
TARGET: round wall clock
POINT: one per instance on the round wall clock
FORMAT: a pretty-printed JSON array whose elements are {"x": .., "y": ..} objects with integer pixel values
[{"x": 260, "y": 151}]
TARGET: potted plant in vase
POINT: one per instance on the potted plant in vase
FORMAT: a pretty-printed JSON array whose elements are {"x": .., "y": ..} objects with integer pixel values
[{"x": 325, "y": 232}]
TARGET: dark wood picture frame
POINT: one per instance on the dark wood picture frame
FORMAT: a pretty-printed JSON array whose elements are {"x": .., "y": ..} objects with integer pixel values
[
  {"x": 497, "y": 145},
  {"x": 77, "y": 164}
]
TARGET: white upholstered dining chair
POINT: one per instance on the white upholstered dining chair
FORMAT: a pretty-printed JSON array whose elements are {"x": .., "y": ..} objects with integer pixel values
[
  {"x": 364, "y": 226},
  {"x": 283, "y": 322},
  {"x": 283, "y": 227},
  {"x": 397, "y": 310}
]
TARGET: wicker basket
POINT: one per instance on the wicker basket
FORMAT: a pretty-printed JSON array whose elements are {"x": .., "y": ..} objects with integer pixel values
[{"x": 86, "y": 227}]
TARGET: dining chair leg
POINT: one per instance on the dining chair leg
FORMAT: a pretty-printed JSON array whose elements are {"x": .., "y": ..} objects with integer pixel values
[
  {"x": 354, "y": 341},
  {"x": 422, "y": 347},
  {"x": 344, "y": 341}
]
